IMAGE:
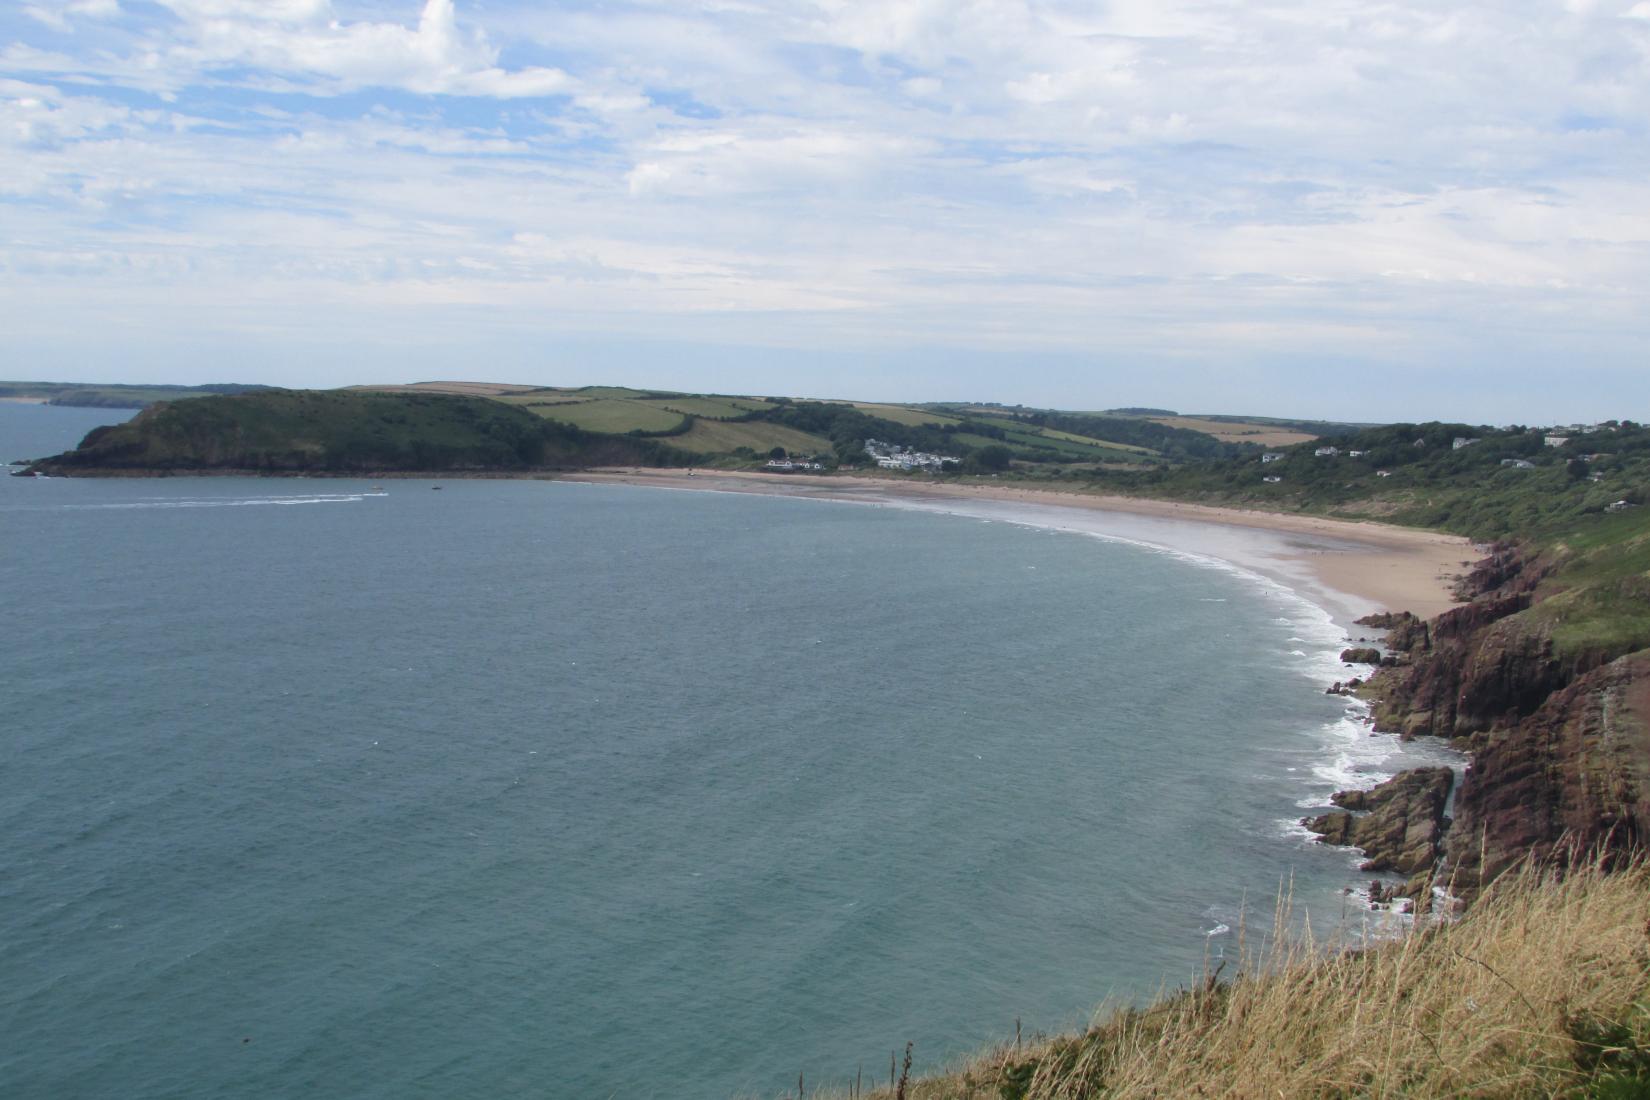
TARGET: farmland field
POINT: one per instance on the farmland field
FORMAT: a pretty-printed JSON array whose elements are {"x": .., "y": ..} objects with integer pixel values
[
  {"x": 899, "y": 414},
  {"x": 467, "y": 389},
  {"x": 1056, "y": 434},
  {"x": 1267, "y": 435},
  {"x": 613, "y": 416},
  {"x": 714, "y": 408},
  {"x": 542, "y": 397},
  {"x": 619, "y": 392},
  {"x": 711, "y": 436}
]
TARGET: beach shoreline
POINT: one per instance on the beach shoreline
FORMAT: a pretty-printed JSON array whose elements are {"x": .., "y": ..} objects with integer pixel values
[{"x": 1348, "y": 568}]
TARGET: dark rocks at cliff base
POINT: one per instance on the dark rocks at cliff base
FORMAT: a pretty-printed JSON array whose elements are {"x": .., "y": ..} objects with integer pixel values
[
  {"x": 1361, "y": 656},
  {"x": 1386, "y": 620},
  {"x": 1399, "y": 824}
]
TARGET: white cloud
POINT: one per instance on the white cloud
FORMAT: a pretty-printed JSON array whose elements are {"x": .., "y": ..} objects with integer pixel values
[
  {"x": 302, "y": 39},
  {"x": 1283, "y": 174},
  {"x": 61, "y": 16}
]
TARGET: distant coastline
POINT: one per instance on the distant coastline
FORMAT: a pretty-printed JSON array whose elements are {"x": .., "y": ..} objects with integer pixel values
[{"x": 1350, "y": 568}]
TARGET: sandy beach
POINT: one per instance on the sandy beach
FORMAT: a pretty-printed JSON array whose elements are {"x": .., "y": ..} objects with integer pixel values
[{"x": 1348, "y": 568}]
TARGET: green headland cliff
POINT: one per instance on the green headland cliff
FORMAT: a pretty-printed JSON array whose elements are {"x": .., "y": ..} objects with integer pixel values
[{"x": 345, "y": 432}]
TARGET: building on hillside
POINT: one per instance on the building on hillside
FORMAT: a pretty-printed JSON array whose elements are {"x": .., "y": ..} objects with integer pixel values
[
  {"x": 891, "y": 456},
  {"x": 1462, "y": 441},
  {"x": 1270, "y": 456},
  {"x": 1555, "y": 440},
  {"x": 1272, "y": 479},
  {"x": 1356, "y": 454},
  {"x": 1383, "y": 473},
  {"x": 1327, "y": 452},
  {"x": 1518, "y": 463}
]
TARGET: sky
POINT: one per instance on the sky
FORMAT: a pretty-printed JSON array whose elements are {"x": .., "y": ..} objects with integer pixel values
[{"x": 1351, "y": 210}]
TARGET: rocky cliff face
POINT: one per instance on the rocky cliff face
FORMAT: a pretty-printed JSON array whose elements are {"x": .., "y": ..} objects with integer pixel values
[
  {"x": 1560, "y": 746},
  {"x": 1399, "y": 824},
  {"x": 1472, "y": 666},
  {"x": 1567, "y": 780}
]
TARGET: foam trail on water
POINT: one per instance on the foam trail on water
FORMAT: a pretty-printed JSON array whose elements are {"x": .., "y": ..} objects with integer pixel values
[{"x": 245, "y": 502}]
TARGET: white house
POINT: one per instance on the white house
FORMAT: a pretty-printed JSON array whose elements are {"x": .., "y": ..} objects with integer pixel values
[
  {"x": 1327, "y": 452},
  {"x": 1555, "y": 440},
  {"x": 1462, "y": 441},
  {"x": 1270, "y": 456}
]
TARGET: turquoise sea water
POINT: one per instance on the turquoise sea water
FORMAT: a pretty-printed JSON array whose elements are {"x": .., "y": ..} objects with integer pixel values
[{"x": 525, "y": 788}]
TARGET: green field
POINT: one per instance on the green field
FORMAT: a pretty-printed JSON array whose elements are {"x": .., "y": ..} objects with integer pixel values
[
  {"x": 541, "y": 397},
  {"x": 711, "y": 408},
  {"x": 712, "y": 437},
  {"x": 900, "y": 414},
  {"x": 620, "y": 392},
  {"x": 1054, "y": 433},
  {"x": 612, "y": 416}
]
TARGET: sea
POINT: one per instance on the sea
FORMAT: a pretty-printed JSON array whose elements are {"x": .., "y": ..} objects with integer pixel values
[{"x": 479, "y": 788}]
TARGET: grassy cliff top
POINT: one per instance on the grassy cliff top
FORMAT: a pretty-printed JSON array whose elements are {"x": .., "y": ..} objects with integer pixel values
[{"x": 1540, "y": 990}]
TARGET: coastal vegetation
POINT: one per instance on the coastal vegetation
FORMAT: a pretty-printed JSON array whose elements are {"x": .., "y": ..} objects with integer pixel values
[
  {"x": 337, "y": 431},
  {"x": 1542, "y": 989},
  {"x": 1481, "y": 482},
  {"x": 837, "y": 430}
]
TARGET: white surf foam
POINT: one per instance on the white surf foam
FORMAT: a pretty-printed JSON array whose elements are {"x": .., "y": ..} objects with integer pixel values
[{"x": 221, "y": 502}]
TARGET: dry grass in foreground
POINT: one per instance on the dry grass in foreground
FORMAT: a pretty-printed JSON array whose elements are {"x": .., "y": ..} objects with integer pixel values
[{"x": 1539, "y": 991}]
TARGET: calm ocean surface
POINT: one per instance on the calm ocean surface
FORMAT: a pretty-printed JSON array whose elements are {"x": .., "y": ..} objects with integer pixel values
[{"x": 524, "y": 788}]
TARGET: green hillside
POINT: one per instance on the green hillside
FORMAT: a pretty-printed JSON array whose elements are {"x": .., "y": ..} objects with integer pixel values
[
  {"x": 1496, "y": 482},
  {"x": 730, "y": 430},
  {"x": 339, "y": 431}
]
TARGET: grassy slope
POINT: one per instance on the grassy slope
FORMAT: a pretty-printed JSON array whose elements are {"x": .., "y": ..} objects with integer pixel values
[
  {"x": 614, "y": 417},
  {"x": 1597, "y": 602},
  {"x": 1238, "y": 431},
  {"x": 901, "y": 414},
  {"x": 1540, "y": 990},
  {"x": 619, "y": 410},
  {"x": 711, "y": 408},
  {"x": 710, "y": 436}
]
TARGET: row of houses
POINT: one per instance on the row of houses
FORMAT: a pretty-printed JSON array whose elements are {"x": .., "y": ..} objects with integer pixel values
[{"x": 891, "y": 456}]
